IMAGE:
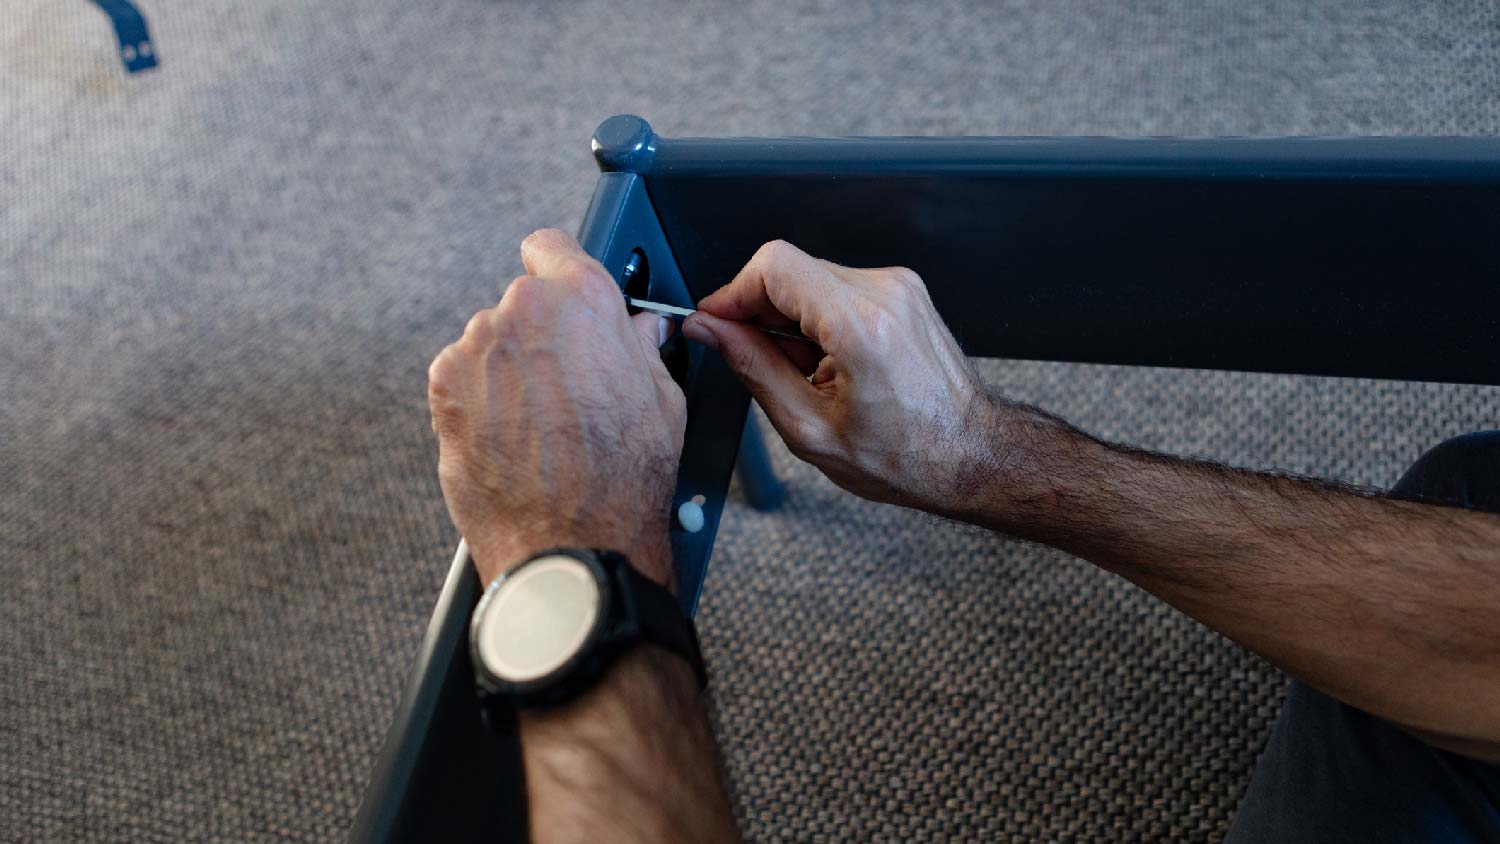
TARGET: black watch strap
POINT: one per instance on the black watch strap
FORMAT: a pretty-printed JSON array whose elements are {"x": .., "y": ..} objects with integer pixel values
[{"x": 655, "y": 610}]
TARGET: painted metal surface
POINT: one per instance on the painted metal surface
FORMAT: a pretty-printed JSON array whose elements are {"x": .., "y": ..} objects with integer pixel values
[
  {"x": 440, "y": 775},
  {"x": 621, "y": 222},
  {"x": 1374, "y": 257},
  {"x": 437, "y": 748},
  {"x": 137, "y": 50}
]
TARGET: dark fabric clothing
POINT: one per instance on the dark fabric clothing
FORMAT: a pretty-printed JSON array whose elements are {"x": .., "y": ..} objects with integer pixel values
[
  {"x": 1333, "y": 773},
  {"x": 1462, "y": 472}
]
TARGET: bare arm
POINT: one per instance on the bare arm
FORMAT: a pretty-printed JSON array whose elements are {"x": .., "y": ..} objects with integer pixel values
[
  {"x": 1393, "y": 607},
  {"x": 634, "y": 760},
  {"x": 1388, "y": 605},
  {"x": 558, "y": 425}
]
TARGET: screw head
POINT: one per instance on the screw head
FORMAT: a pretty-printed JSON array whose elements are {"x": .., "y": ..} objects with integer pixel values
[{"x": 690, "y": 516}]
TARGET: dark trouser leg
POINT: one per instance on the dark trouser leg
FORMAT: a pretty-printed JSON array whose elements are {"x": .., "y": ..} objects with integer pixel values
[{"x": 1333, "y": 773}]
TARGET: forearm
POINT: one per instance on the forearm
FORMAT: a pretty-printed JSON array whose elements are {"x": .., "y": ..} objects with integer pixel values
[
  {"x": 1391, "y": 606},
  {"x": 634, "y": 759},
  {"x": 559, "y": 427}
]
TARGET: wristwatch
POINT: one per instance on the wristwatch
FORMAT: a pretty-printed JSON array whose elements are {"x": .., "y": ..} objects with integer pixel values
[{"x": 548, "y": 629}]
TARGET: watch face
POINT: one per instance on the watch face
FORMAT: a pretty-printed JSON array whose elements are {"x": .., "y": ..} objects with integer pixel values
[{"x": 538, "y": 617}]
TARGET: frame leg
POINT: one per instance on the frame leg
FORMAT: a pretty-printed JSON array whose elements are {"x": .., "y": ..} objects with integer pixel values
[{"x": 754, "y": 466}]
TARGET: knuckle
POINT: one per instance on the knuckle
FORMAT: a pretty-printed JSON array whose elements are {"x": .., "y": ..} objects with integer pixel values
[
  {"x": 444, "y": 386},
  {"x": 540, "y": 235},
  {"x": 440, "y": 374},
  {"x": 585, "y": 279},
  {"x": 527, "y": 299},
  {"x": 595, "y": 285},
  {"x": 908, "y": 279},
  {"x": 799, "y": 432},
  {"x": 546, "y": 239},
  {"x": 806, "y": 436},
  {"x": 893, "y": 288},
  {"x": 477, "y": 330},
  {"x": 898, "y": 287},
  {"x": 836, "y": 332},
  {"x": 447, "y": 369},
  {"x": 571, "y": 271},
  {"x": 885, "y": 321},
  {"x": 775, "y": 253},
  {"x": 523, "y": 290},
  {"x": 580, "y": 272},
  {"x": 775, "y": 283}
]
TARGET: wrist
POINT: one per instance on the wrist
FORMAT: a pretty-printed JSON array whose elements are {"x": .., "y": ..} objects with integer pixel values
[
  {"x": 640, "y": 744},
  {"x": 644, "y": 681},
  {"x": 650, "y": 552},
  {"x": 1025, "y": 460}
]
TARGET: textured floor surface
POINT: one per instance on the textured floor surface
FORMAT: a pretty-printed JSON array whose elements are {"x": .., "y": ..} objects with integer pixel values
[{"x": 221, "y": 283}]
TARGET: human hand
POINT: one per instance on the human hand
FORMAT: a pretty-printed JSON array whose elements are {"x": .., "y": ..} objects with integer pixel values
[
  {"x": 893, "y": 411},
  {"x": 557, "y": 423}
]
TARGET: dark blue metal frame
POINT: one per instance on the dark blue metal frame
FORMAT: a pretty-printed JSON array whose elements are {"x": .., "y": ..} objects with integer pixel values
[
  {"x": 137, "y": 50},
  {"x": 621, "y": 221},
  {"x": 1371, "y": 257},
  {"x": 1297, "y": 255}
]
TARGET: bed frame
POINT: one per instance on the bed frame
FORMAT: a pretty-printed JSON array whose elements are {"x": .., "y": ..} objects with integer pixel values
[{"x": 1368, "y": 257}]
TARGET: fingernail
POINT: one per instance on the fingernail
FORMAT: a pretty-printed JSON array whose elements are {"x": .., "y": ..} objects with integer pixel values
[
  {"x": 663, "y": 329},
  {"x": 695, "y": 328}
]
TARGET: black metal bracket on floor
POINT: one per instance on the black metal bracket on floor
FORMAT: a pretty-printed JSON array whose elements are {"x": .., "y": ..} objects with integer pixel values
[{"x": 137, "y": 50}]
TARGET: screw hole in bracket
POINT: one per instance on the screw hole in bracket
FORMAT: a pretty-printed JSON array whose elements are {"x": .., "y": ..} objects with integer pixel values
[{"x": 635, "y": 277}]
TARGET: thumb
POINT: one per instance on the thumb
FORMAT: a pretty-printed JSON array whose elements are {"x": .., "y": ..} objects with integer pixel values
[
  {"x": 780, "y": 388},
  {"x": 654, "y": 329}
]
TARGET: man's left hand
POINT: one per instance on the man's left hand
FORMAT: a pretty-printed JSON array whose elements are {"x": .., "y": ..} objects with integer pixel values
[{"x": 557, "y": 422}]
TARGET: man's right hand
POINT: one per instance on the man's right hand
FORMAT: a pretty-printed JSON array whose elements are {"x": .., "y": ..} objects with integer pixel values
[
  {"x": 893, "y": 410},
  {"x": 1386, "y": 605}
]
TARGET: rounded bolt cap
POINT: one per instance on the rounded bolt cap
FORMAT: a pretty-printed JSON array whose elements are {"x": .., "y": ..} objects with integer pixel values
[{"x": 624, "y": 142}]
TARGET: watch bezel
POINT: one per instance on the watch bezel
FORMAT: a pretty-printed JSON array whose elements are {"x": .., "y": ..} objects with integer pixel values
[{"x": 576, "y": 664}]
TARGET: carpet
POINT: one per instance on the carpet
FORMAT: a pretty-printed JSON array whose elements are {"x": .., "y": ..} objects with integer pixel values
[{"x": 221, "y": 282}]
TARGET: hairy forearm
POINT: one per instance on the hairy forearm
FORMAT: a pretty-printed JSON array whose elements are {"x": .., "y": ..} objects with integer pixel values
[
  {"x": 1391, "y": 606},
  {"x": 634, "y": 759}
]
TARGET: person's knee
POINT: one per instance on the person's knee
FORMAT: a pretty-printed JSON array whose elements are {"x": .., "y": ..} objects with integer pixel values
[
  {"x": 1462, "y": 454},
  {"x": 1462, "y": 471},
  {"x": 1464, "y": 446}
]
